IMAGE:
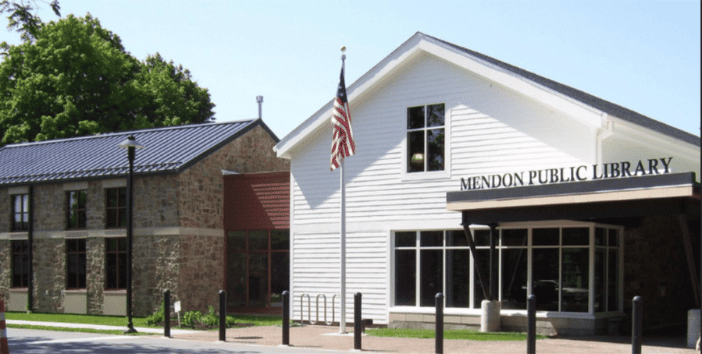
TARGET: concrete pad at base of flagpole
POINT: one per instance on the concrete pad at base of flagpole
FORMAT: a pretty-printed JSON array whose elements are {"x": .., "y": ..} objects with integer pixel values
[
  {"x": 490, "y": 316},
  {"x": 345, "y": 334}
]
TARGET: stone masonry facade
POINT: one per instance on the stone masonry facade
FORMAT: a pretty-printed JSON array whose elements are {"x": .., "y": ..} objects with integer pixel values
[{"x": 178, "y": 238}]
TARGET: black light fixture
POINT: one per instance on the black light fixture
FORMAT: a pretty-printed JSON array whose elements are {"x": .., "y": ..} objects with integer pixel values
[{"x": 131, "y": 145}]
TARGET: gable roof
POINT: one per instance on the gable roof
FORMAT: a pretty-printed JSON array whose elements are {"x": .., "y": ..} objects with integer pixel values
[
  {"x": 167, "y": 150},
  {"x": 525, "y": 82}
]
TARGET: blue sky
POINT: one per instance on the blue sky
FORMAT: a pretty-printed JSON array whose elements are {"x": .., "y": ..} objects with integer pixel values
[{"x": 643, "y": 55}]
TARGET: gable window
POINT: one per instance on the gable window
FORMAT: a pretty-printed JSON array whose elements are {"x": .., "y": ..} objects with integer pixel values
[
  {"x": 75, "y": 264},
  {"x": 425, "y": 138},
  {"x": 116, "y": 206},
  {"x": 20, "y": 263},
  {"x": 20, "y": 212},
  {"x": 116, "y": 263},
  {"x": 75, "y": 210}
]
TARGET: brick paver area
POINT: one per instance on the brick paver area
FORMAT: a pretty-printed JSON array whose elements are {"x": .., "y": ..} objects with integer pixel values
[{"x": 323, "y": 337}]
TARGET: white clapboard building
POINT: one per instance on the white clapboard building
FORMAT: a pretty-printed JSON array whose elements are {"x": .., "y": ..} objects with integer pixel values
[{"x": 588, "y": 203}]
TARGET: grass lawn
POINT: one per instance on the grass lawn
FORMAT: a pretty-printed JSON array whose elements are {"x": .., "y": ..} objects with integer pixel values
[
  {"x": 122, "y": 320},
  {"x": 448, "y": 334}
]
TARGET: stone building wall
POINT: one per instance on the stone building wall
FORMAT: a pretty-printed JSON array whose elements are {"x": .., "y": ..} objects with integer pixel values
[
  {"x": 201, "y": 273},
  {"x": 5, "y": 269},
  {"x": 655, "y": 268},
  {"x": 156, "y": 268},
  {"x": 49, "y": 207},
  {"x": 49, "y": 274},
  {"x": 95, "y": 274},
  {"x": 5, "y": 209}
]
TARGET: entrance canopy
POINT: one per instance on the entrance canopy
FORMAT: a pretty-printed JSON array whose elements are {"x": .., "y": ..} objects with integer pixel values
[{"x": 606, "y": 199}]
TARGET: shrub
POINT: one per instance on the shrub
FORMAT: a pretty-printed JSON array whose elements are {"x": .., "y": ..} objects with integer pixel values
[
  {"x": 210, "y": 319},
  {"x": 157, "y": 316},
  {"x": 190, "y": 318}
]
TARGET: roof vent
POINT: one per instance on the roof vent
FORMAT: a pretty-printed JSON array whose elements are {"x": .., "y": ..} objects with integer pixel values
[{"x": 259, "y": 99}]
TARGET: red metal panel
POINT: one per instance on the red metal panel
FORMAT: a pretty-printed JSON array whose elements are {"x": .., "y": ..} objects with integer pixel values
[{"x": 257, "y": 201}]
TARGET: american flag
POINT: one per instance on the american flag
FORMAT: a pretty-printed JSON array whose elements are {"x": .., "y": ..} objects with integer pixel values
[{"x": 342, "y": 135}]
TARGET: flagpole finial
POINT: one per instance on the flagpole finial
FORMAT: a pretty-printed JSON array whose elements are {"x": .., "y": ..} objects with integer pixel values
[{"x": 343, "y": 52}]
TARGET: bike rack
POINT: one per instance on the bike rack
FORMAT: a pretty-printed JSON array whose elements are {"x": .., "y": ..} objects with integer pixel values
[{"x": 309, "y": 309}]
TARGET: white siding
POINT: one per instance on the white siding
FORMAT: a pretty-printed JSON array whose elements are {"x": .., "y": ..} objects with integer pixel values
[{"x": 489, "y": 128}]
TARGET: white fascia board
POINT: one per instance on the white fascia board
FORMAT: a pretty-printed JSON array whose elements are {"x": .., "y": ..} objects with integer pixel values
[
  {"x": 515, "y": 82},
  {"x": 422, "y": 43},
  {"x": 639, "y": 134}
]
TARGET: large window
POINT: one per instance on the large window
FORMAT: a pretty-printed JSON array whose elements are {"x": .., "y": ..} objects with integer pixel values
[
  {"x": 116, "y": 263},
  {"x": 425, "y": 138},
  {"x": 75, "y": 264},
  {"x": 552, "y": 263},
  {"x": 116, "y": 207},
  {"x": 20, "y": 212},
  {"x": 20, "y": 263},
  {"x": 76, "y": 209}
]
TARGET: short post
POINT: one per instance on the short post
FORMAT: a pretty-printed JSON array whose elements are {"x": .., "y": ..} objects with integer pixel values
[
  {"x": 439, "y": 299},
  {"x": 357, "y": 321},
  {"x": 222, "y": 315},
  {"x": 167, "y": 313},
  {"x": 531, "y": 324},
  {"x": 636, "y": 325},
  {"x": 286, "y": 318}
]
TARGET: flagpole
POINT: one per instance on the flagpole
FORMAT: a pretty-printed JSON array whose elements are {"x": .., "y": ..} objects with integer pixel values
[{"x": 342, "y": 321}]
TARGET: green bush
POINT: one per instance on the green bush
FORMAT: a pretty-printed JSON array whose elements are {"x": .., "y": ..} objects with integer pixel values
[
  {"x": 230, "y": 320},
  {"x": 157, "y": 317},
  {"x": 190, "y": 318},
  {"x": 210, "y": 319}
]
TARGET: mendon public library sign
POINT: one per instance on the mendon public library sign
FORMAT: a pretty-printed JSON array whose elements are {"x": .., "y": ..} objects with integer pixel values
[{"x": 569, "y": 174}]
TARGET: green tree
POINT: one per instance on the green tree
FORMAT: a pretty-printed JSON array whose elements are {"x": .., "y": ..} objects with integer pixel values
[
  {"x": 77, "y": 79},
  {"x": 21, "y": 18}
]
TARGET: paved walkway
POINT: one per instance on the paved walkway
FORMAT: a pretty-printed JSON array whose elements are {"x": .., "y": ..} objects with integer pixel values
[{"x": 325, "y": 337}]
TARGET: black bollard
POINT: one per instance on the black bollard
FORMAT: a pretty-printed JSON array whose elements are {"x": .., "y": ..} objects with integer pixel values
[
  {"x": 531, "y": 324},
  {"x": 636, "y": 325},
  {"x": 286, "y": 318},
  {"x": 357, "y": 321},
  {"x": 166, "y": 313},
  {"x": 439, "y": 299},
  {"x": 222, "y": 315}
]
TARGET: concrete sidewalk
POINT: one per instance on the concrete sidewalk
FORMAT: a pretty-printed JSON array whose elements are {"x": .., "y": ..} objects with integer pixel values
[{"x": 325, "y": 337}]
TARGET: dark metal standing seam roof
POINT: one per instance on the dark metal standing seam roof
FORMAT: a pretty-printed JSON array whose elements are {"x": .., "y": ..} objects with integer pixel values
[
  {"x": 584, "y": 97},
  {"x": 170, "y": 149}
]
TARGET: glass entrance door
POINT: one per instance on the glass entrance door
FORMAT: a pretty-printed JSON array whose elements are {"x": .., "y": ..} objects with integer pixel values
[{"x": 257, "y": 268}]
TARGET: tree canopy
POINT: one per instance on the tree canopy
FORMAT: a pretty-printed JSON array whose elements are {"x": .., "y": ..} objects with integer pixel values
[{"x": 72, "y": 78}]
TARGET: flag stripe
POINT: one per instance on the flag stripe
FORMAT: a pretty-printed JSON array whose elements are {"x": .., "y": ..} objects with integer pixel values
[{"x": 343, "y": 144}]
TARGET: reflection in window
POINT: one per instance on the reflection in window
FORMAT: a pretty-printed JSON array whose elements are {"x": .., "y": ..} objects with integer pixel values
[
  {"x": 76, "y": 209},
  {"x": 20, "y": 212}
]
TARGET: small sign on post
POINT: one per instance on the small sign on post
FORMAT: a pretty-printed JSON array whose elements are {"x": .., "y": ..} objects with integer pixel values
[{"x": 176, "y": 308}]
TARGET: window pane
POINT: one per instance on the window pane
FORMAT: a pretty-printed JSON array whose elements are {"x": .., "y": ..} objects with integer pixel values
[
  {"x": 258, "y": 240},
  {"x": 545, "y": 279},
  {"x": 600, "y": 276},
  {"x": 435, "y": 115},
  {"x": 435, "y": 147},
  {"x": 576, "y": 236},
  {"x": 545, "y": 237},
  {"x": 515, "y": 237},
  {"x": 280, "y": 239},
  {"x": 20, "y": 263},
  {"x": 280, "y": 270},
  {"x": 415, "y": 117},
  {"x": 431, "y": 276},
  {"x": 431, "y": 238},
  {"x": 481, "y": 237},
  {"x": 456, "y": 238},
  {"x": 484, "y": 261},
  {"x": 258, "y": 279},
  {"x": 415, "y": 151},
  {"x": 613, "y": 281},
  {"x": 576, "y": 273},
  {"x": 600, "y": 236},
  {"x": 406, "y": 239},
  {"x": 613, "y": 237},
  {"x": 514, "y": 278},
  {"x": 405, "y": 277},
  {"x": 457, "y": 278},
  {"x": 236, "y": 269}
]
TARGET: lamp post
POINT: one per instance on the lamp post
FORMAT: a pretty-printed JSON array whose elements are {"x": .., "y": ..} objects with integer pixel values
[{"x": 131, "y": 145}]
